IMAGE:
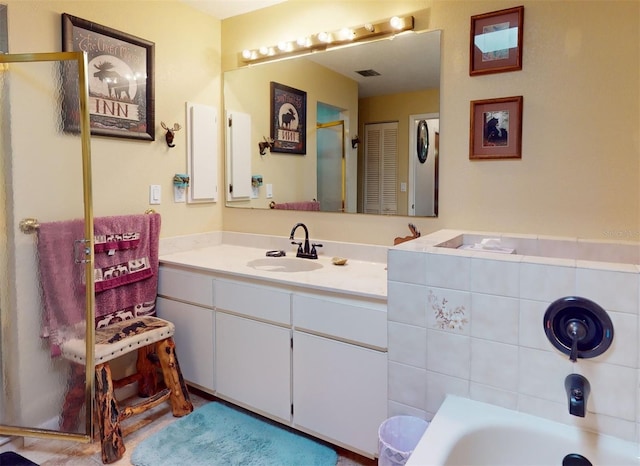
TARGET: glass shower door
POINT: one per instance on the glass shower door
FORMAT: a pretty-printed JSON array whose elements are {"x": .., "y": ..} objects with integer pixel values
[
  {"x": 331, "y": 166},
  {"x": 45, "y": 168}
]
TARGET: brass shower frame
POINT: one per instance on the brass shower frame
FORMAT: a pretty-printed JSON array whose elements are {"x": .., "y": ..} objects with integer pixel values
[{"x": 85, "y": 135}]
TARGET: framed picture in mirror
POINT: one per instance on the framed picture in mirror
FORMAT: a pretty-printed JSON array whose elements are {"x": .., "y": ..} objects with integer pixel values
[
  {"x": 496, "y": 128},
  {"x": 496, "y": 41},
  {"x": 288, "y": 119}
]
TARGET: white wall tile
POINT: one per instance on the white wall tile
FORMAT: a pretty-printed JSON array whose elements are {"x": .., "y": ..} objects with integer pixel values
[
  {"x": 613, "y": 389},
  {"x": 448, "y": 353},
  {"x": 542, "y": 374},
  {"x": 398, "y": 409},
  {"x": 407, "y": 303},
  {"x": 531, "y": 326},
  {"x": 440, "y": 385},
  {"x": 408, "y": 344},
  {"x": 499, "y": 277},
  {"x": 494, "y": 364},
  {"x": 407, "y": 266},
  {"x": 446, "y": 270},
  {"x": 614, "y": 291},
  {"x": 493, "y": 395},
  {"x": 624, "y": 347},
  {"x": 407, "y": 385},
  {"x": 495, "y": 318},
  {"x": 449, "y": 310},
  {"x": 545, "y": 282}
]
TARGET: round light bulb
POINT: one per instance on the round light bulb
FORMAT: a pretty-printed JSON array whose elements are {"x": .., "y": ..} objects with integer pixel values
[{"x": 396, "y": 22}]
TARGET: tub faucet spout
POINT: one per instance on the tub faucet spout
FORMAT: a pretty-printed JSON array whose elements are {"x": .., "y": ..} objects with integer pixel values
[{"x": 578, "y": 389}]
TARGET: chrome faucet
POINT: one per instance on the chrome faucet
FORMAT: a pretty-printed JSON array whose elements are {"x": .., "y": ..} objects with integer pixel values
[
  {"x": 578, "y": 389},
  {"x": 308, "y": 251}
]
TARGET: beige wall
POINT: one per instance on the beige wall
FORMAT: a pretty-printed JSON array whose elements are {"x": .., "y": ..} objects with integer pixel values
[
  {"x": 580, "y": 171},
  {"x": 187, "y": 68}
]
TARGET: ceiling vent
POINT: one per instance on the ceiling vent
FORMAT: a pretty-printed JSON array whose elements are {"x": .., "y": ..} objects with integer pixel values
[{"x": 368, "y": 73}]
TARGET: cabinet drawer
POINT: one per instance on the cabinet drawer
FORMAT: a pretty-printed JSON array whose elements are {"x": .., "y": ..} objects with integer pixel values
[
  {"x": 185, "y": 286},
  {"x": 254, "y": 301},
  {"x": 364, "y": 323}
]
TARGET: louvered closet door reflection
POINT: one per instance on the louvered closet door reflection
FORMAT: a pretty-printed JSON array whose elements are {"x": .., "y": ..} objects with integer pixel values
[{"x": 381, "y": 168}]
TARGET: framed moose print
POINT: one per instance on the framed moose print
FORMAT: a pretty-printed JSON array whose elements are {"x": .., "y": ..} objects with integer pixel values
[
  {"x": 496, "y": 41},
  {"x": 496, "y": 128},
  {"x": 288, "y": 119},
  {"x": 120, "y": 75}
]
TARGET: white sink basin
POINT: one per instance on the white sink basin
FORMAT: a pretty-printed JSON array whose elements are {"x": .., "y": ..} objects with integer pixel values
[{"x": 284, "y": 264}]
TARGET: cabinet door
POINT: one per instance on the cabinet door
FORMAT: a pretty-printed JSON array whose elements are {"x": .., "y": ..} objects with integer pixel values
[
  {"x": 193, "y": 338},
  {"x": 253, "y": 365},
  {"x": 339, "y": 391}
]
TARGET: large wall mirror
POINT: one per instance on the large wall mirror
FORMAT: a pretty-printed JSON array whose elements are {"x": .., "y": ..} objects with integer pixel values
[{"x": 371, "y": 123}]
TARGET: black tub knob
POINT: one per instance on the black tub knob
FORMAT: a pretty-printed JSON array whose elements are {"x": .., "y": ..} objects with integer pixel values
[{"x": 578, "y": 327}]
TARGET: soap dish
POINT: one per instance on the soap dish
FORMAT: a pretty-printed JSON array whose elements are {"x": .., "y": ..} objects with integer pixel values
[{"x": 338, "y": 261}]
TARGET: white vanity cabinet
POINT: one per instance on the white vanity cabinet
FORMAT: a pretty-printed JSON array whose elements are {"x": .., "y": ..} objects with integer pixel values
[
  {"x": 340, "y": 370},
  {"x": 253, "y": 347},
  {"x": 312, "y": 360},
  {"x": 186, "y": 299}
]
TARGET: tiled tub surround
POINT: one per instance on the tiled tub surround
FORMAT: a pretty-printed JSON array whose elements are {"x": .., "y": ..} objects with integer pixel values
[{"x": 469, "y": 323}]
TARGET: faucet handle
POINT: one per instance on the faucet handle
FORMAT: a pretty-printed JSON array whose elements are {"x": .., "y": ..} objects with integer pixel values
[
  {"x": 313, "y": 248},
  {"x": 299, "y": 246}
]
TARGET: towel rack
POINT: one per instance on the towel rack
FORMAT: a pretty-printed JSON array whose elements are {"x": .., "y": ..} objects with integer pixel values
[{"x": 31, "y": 225}]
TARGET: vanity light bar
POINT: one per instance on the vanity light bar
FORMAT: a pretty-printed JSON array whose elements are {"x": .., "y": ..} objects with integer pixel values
[{"x": 327, "y": 40}]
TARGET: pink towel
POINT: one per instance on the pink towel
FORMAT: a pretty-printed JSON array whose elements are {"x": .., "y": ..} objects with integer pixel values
[
  {"x": 302, "y": 205},
  {"x": 125, "y": 272}
]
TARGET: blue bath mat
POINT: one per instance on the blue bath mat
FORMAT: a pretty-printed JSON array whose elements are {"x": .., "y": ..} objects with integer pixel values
[
  {"x": 11, "y": 458},
  {"x": 218, "y": 434}
]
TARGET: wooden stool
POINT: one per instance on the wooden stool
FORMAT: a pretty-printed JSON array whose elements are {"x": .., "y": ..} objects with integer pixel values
[{"x": 145, "y": 335}]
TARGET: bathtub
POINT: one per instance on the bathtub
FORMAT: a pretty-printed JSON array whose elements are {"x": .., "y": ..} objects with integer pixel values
[{"x": 469, "y": 433}]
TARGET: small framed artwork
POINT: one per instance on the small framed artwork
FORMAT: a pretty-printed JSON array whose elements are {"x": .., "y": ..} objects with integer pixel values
[
  {"x": 121, "y": 81},
  {"x": 496, "y": 41},
  {"x": 496, "y": 128},
  {"x": 288, "y": 119}
]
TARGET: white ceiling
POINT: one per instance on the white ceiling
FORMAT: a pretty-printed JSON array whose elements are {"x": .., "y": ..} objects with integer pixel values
[{"x": 222, "y": 9}]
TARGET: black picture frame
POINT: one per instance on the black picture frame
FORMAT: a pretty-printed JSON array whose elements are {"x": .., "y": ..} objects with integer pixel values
[
  {"x": 121, "y": 80},
  {"x": 288, "y": 119}
]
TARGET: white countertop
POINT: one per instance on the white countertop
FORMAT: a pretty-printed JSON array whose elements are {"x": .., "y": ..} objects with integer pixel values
[{"x": 356, "y": 277}]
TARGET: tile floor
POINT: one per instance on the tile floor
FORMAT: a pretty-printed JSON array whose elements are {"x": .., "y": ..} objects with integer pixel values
[{"x": 64, "y": 453}]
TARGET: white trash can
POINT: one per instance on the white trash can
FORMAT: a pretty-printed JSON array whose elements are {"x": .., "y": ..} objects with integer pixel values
[{"x": 398, "y": 436}]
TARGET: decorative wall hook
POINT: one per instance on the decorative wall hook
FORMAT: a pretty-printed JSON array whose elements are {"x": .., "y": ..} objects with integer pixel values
[
  {"x": 171, "y": 132},
  {"x": 355, "y": 141},
  {"x": 264, "y": 145}
]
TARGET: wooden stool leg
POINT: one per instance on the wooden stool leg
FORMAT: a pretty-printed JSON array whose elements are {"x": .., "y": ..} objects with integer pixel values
[
  {"x": 148, "y": 382},
  {"x": 180, "y": 402},
  {"x": 111, "y": 441}
]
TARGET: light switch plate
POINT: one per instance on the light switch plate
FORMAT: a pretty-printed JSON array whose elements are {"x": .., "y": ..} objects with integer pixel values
[
  {"x": 155, "y": 194},
  {"x": 269, "y": 190}
]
